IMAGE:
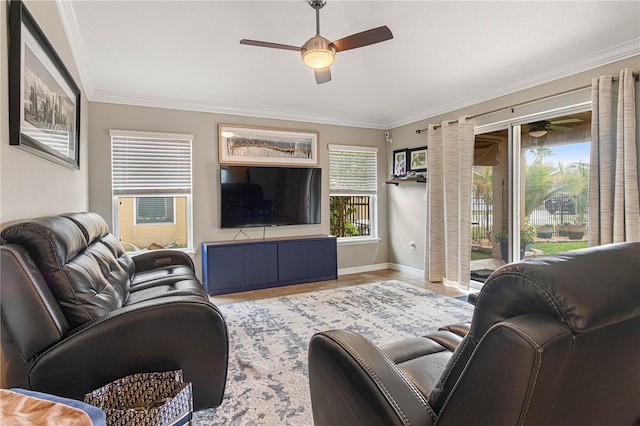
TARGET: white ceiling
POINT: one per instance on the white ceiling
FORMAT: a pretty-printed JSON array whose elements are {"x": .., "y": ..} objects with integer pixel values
[{"x": 444, "y": 55}]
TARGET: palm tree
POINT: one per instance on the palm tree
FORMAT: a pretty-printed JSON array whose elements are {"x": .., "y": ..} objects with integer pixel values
[
  {"x": 581, "y": 193},
  {"x": 538, "y": 184},
  {"x": 541, "y": 183}
]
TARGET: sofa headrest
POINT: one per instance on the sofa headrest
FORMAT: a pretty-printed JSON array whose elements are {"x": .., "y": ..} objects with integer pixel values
[
  {"x": 586, "y": 289},
  {"x": 92, "y": 225},
  {"x": 87, "y": 278},
  {"x": 56, "y": 239}
]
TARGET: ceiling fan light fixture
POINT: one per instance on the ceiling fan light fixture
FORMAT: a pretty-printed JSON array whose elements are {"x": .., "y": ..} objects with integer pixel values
[
  {"x": 538, "y": 129},
  {"x": 318, "y": 53},
  {"x": 537, "y": 133}
]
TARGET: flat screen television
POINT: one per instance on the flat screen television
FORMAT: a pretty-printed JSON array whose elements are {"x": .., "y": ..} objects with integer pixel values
[{"x": 269, "y": 196}]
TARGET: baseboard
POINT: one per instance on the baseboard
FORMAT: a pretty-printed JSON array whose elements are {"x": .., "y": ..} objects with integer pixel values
[
  {"x": 475, "y": 285},
  {"x": 379, "y": 266},
  {"x": 361, "y": 269},
  {"x": 407, "y": 269}
]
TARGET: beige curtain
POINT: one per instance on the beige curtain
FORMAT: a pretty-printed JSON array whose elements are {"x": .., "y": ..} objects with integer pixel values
[
  {"x": 449, "y": 182},
  {"x": 614, "y": 197}
]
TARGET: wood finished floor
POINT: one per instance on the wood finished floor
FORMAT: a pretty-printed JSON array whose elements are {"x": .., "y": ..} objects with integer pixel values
[{"x": 342, "y": 281}]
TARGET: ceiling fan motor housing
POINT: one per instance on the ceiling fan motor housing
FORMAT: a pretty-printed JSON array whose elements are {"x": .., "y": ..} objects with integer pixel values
[
  {"x": 318, "y": 52},
  {"x": 317, "y": 4},
  {"x": 538, "y": 125}
]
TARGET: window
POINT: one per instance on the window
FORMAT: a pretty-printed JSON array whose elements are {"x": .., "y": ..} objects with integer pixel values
[
  {"x": 151, "y": 187},
  {"x": 155, "y": 210},
  {"x": 353, "y": 172}
]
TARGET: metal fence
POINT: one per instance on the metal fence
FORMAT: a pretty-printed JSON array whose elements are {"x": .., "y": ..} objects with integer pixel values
[
  {"x": 481, "y": 220},
  {"x": 554, "y": 212},
  {"x": 359, "y": 214}
]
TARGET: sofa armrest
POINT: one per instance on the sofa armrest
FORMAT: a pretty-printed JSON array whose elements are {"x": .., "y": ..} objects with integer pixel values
[
  {"x": 170, "y": 333},
  {"x": 353, "y": 382},
  {"x": 153, "y": 259}
]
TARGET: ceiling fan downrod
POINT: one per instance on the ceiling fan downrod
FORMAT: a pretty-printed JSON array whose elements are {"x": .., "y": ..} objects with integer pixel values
[{"x": 317, "y": 5}]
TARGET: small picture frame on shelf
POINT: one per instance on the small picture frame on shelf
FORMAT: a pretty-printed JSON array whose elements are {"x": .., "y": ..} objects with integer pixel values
[
  {"x": 400, "y": 162},
  {"x": 417, "y": 160}
]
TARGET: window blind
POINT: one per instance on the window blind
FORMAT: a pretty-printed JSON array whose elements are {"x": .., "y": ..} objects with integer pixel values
[
  {"x": 150, "y": 163},
  {"x": 353, "y": 169}
]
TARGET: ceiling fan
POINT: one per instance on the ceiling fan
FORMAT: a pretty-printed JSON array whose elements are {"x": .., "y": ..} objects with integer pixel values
[
  {"x": 540, "y": 128},
  {"x": 319, "y": 53}
]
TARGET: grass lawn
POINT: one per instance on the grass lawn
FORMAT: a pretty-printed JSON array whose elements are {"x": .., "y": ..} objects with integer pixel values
[
  {"x": 559, "y": 247},
  {"x": 477, "y": 255}
]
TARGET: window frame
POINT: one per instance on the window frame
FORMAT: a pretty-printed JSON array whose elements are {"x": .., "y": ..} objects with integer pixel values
[
  {"x": 373, "y": 236},
  {"x": 187, "y": 194}
]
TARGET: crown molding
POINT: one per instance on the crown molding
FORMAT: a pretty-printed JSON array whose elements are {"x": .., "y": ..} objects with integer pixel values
[
  {"x": 79, "y": 52},
  {"x": 617, "y": 53},
  {"x": 186, "y": 105},
  {"x": 603, "y": 57}
]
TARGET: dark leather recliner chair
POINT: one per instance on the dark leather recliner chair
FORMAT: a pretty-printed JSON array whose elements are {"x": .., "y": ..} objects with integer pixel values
[
  {"x": 553, "y": 341},
  {"x": 78, "y": 312}
]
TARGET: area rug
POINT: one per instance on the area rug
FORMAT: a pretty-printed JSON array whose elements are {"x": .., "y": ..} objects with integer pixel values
[{"x": 267, "y": 383}]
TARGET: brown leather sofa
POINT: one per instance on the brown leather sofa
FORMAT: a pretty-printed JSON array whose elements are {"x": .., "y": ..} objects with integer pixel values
[
  {"x": 78, "y": 312},
  {"x": 552, "y": 341}
]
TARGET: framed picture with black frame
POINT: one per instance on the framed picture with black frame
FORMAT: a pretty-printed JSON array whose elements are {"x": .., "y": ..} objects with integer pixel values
[
  {"x": 44, "y": 100},
  {"x": 400, "y": 162},
  {"x": 417, "y": 160}
]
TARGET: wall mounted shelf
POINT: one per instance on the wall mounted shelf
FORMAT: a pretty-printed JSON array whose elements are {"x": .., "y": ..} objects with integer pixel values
[{"x": 396, "y": 181}]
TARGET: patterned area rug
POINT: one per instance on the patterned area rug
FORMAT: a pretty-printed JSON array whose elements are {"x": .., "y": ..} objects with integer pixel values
[{"x": 267, "y": 383}]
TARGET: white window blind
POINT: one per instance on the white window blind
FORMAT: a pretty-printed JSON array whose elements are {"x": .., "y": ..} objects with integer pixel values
[
  {"x": 150, "y": 163},
  {"x": 353, "y": 169}
]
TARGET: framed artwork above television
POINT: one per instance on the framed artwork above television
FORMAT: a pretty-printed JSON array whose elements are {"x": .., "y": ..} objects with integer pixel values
[{"x": 267, "y": 146}]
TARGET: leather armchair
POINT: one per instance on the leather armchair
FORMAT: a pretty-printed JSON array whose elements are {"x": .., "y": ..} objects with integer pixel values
[
  {"x": 553, "y": 340},
  {"x": 78, "y": 312}
]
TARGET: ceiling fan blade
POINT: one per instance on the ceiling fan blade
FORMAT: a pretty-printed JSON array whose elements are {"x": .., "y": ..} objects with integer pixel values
[
  {"x": 322, "y": 76},
  {"x": 268, "y": 44},
  {"x": 560, "y": 128},
  {"x": 365, "y": 38},
  {"x": 567, "y": 121}
]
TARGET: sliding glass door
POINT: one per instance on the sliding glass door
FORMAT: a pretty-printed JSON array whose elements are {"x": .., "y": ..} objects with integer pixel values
[
  {"x": 554, "y": 154},
  {"x": 530, "y": 188},
  {"x": 490, "y": 200}
]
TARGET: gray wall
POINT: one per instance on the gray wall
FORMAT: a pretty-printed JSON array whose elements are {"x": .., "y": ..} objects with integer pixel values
[
  {"x": 30, "y": 185},
  {"x": 406, "y": 202},
  {"x": 206, "y": 171}
]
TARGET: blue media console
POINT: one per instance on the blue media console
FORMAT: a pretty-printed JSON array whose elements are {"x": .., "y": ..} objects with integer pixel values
[{"x": 235, "y": 266}]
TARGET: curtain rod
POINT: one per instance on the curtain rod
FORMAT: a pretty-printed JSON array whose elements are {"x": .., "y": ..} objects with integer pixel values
[{"x": 636, "y": 76}]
